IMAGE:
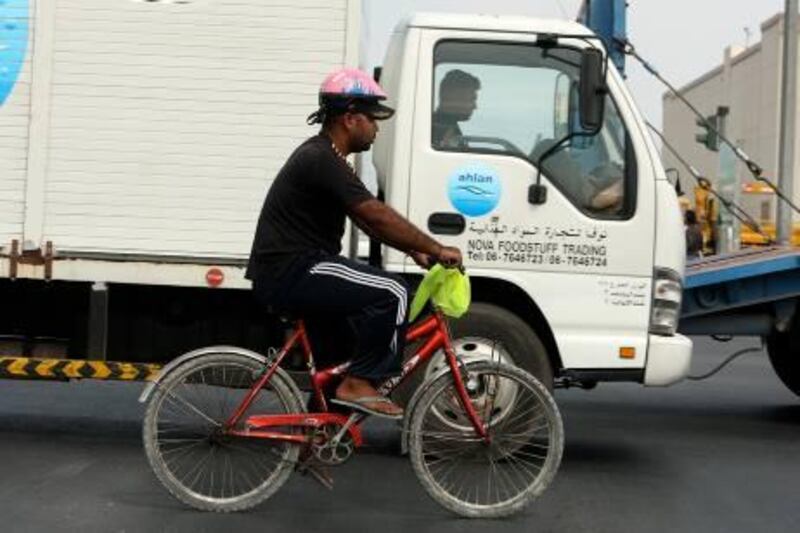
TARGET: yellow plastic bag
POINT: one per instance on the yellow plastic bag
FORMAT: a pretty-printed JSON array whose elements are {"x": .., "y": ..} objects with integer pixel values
[{"x": 449, "y": 290}]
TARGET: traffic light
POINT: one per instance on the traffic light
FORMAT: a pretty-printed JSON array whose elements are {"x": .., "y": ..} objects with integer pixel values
[{"x": 709, "y": 136}]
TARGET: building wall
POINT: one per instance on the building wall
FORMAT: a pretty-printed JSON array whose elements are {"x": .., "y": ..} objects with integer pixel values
[{"x": 748, "y": 82}]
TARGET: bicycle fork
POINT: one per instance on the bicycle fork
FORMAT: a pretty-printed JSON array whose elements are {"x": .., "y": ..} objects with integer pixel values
[{"x": 461, "y": 388}]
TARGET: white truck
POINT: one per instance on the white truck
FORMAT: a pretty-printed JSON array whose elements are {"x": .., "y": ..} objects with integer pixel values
[{"x": 140, "y": 138}]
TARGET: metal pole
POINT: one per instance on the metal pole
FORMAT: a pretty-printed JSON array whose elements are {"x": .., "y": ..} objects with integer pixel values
[{"x": 788, "y": 111}]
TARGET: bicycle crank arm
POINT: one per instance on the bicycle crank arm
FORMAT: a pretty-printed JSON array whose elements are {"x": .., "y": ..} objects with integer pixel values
[{"x": 318, "y": 472}]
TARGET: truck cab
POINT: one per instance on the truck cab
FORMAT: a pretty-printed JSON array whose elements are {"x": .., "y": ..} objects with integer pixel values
[{"x": 572, "y": 236}]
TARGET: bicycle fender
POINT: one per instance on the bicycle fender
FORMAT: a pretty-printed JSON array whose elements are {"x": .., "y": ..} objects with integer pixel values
[{"x": 180, "y": 360}]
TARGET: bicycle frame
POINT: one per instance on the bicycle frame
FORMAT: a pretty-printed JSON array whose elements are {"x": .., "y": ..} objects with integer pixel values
[{"x": 433, "y": 329}]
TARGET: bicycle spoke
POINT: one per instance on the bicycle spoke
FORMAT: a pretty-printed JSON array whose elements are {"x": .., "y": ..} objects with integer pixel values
[
  {"x": 179, "y": 408},
  {"x": 196, "y": 394},
  {"x": 523, "y": 465},
  {"x": 194, "y": 409},
  {"x": 179, "y": 440},
  {"x": 489, "y": 409},
  {"x": 440, "y": 435},
  {"x": 522, "y": 415},
  {"x": 176, "y": 464},
  {"x": 489, "y": 478},
  {"x": 174, "y": 449},
  {"x": 528, "y": 433},
  {"x": 509, "y": 479},
  {"x": 536, "y": 456},
  {"x": 183, "y": 429},
  {"x": 453, "y": 465},
  {"x": 211, "y": 472},
  {"x": 197, "y": 470},
  {"x": 453, "y": 450},
  {"x": 224, "y": 474},
  {"x": 519, "y": 443},
  {"x": 224, "y": 397},
  {"x": 450, "y": 458},
  {"x": 246, "y": 474},
  {"x": 494, "y": 471}
]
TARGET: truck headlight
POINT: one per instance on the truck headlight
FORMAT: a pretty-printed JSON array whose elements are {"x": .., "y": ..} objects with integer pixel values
[{"x": 667, "y": 292}]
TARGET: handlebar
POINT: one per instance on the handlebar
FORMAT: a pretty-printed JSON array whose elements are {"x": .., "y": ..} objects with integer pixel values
[{"x": 460, "y": 267}]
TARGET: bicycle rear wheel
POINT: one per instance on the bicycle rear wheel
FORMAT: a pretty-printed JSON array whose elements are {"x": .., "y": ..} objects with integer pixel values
[
  {"x": 464, "y": 473},
  {"x": 195, "y": 460}
]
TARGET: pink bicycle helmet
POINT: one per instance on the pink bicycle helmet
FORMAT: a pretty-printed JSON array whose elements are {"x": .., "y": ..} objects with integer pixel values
[{"x": 350, "y": 89}]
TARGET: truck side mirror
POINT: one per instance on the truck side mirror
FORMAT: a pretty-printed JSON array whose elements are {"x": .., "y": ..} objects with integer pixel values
[{"x": 592, "y": 97}]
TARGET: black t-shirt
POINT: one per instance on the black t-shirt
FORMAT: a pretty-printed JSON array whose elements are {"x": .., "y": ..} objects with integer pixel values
[
  {"x": 446, "y": 132},
  {"x": 304, "y": 212}
]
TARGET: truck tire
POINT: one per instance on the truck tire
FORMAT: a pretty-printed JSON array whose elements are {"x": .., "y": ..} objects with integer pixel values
[
  {"x": 783, "y": 348},
  {"x": 487, "y": 331}
]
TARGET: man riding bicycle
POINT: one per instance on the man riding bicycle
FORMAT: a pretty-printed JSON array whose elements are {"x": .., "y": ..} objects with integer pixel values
[{"x": 295, "y": 264}]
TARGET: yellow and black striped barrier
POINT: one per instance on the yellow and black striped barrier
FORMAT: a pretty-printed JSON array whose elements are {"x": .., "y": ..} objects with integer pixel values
[{"x": 36, "y": 368}]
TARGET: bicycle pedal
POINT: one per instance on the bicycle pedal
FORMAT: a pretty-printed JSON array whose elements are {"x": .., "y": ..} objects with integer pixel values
[{"x": 318, "y": 472}]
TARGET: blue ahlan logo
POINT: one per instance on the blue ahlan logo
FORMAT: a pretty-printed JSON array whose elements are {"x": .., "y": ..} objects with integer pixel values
[
  {"x": 474, "y": 190},
  {"x": 14, "y": 16}
]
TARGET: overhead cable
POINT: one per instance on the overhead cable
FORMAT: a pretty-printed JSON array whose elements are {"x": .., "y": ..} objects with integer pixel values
[
  {"x": 752, "y": 166},
  {"x": 735, "y": 210}
]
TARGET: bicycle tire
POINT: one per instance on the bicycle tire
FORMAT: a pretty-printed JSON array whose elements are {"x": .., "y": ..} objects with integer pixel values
[
  {"x": 205, "y": 375},
  {"x": 432, "y": 442}
]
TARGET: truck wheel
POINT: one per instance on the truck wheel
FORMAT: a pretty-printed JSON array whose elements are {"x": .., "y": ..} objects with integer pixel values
[
  {"x": 487, "y": 333},
  {"x": 783, "y": 348}
]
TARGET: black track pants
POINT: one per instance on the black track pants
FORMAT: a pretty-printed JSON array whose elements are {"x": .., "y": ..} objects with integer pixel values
[{"x": 336, "y": 296}]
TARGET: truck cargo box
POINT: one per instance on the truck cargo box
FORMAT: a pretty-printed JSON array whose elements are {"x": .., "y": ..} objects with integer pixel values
[{"x": 138, "y": 132}]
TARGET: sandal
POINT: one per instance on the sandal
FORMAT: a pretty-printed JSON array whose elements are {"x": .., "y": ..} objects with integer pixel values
[{"x": 359, "y": 404}]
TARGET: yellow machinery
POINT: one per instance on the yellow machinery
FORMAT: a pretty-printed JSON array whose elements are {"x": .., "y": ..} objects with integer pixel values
[
  {"x": 707, "y": 210},
  {"x": 750, "y": 237}
]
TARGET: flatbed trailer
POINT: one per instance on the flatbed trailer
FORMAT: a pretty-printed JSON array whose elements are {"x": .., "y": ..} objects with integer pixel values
[{"x": 751, "y": 292}]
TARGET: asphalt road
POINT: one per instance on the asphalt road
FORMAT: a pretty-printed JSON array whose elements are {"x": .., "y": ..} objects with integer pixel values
[{"x": 719, "y": 455}]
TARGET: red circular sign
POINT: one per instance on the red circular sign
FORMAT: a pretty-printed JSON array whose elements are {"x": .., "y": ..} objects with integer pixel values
[{"x": 214, "y": 277}]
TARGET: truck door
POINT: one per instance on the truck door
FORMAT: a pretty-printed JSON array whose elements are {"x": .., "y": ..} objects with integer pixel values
[{"x": 488, "y": 105}]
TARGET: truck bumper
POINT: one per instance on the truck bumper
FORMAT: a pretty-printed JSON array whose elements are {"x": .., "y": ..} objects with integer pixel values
[{"x": 668, "y": 360}]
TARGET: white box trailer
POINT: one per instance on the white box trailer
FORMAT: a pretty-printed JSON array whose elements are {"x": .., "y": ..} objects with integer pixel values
[{"x": 140, "y": 136}]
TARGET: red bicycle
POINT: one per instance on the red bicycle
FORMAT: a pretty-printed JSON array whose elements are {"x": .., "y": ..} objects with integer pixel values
[{"x": 226, "y": 427}]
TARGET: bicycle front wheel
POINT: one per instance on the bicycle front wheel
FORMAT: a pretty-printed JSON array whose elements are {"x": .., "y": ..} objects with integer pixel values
[
  {"x": 190, "y": 453},
  {"x": 474, "y": 477}
]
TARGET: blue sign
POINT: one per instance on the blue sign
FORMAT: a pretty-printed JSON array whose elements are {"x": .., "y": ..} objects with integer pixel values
[
  {"x": 14, "y": 16},
  {"x": 474, "y": 190}
]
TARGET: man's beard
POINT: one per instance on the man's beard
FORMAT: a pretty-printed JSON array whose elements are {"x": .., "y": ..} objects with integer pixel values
[{"x": 362, "y": 145}]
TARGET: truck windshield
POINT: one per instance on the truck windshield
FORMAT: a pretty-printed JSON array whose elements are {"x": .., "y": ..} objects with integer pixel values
[{"x": 519, "y": 99}]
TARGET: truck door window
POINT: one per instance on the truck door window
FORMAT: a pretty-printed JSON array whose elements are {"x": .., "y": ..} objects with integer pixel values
[{"x": 518, "y": 100}]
